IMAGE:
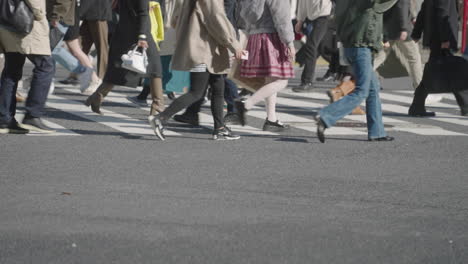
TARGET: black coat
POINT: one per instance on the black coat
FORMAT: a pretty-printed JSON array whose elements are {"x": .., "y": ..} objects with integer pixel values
[
  {"x": 93, "y": 10},
  {"x": 438, "y": 20},
  {"x": 398, "y": 19},
  {"x": 134, "y": 21}
]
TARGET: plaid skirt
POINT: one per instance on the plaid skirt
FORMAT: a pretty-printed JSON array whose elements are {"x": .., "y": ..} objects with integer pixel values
[{"x": 268, "y": 57}]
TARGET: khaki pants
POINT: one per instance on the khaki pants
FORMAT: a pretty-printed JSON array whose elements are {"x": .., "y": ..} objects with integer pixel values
[
  {"x": 408, "y": 54},
  {"x": 95, "y": 32}
]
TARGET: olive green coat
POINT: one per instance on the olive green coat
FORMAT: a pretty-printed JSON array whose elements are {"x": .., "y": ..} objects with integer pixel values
[{"x": 360, "y": 22}]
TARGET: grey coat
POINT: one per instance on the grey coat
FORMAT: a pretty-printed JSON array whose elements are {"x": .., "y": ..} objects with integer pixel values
[{"x": 267, "y": 16}]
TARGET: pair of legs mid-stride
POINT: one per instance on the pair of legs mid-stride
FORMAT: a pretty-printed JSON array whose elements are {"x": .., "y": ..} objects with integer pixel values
[
  {"x": 367, "y": 88},
  {"x": 199, "y": 83},
  {"x": 268, "y": 93}
]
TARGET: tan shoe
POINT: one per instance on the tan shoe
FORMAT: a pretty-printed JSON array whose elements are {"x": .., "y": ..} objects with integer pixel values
[
  {"x": 20, "y": 98},
  {"x": 358, "y": 111}
]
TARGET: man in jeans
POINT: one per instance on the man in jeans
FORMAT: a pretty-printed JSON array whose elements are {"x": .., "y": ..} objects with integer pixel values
[
  {"x": 315, "y": 12},
  {"x": 360, "y": 30},
  {"x": 34, "y": 46}
]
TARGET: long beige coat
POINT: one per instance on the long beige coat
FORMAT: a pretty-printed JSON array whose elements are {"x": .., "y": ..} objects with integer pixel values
[
  {"x": 204, "y": 37},
  {"x": 37, "y": 42}
]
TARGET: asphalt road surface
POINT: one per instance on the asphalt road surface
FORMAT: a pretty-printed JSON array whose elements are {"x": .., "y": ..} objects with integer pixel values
[{"x": 103, "y": 189}]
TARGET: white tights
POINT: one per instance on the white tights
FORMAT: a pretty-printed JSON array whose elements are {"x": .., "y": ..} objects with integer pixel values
[{"x": 267, "y": 93}]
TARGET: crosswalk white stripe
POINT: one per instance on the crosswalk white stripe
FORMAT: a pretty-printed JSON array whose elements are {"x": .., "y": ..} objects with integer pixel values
[
  {"x": 303, "y": 123},
  {"x": 119, "y": 122},
  {"x": 397, "y": 124},
  {"x": 61, "y": 131},
  {"x": 205, "y": 119},
  {"x": 409, "y": 100},
  {"x": 448, "y": 96}
]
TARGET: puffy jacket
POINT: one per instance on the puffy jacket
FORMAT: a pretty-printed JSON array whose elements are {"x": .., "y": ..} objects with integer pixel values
[{"x": 360, "y": 22}]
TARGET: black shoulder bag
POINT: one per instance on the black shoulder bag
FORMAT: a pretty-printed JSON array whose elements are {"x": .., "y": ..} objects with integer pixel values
[{"x": 16, "y": 16}]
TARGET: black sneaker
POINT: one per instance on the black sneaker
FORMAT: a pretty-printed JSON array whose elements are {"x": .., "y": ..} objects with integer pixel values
[
  {"x": 231, "y": 119},
  {"x": 35, "y": 124},
  {"x": 70, "y": 81},
  {"x": 274, "y": 126},
  {"x": 188, "y": 119},
  {"x": 328, "y": 77},
  {"x": 224, "y": 134},
  {"x": 138, "y": 101},
  {"x": 303, "y": 88},
  {"x": 12, "y": 128},
  {"x": 320, "y": 129},
  {"x": 241, "y": 112},
  {"x": 157, "y": 126}
]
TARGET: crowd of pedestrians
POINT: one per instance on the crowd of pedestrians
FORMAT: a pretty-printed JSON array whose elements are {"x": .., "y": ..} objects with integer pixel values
[{"x": 219, "y": 45}]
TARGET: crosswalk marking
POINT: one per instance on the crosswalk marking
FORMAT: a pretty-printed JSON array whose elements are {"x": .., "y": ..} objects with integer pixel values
[
  {"x": 398, "y": 124},
  {"x": 205, "y": 119},
  {"x": 287, "y": 99},
  {"x": 111, "y": 119},
  {"x": 61, "y": 131}
]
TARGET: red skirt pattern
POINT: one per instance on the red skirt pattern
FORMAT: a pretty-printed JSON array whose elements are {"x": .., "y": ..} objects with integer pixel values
[{"x": 268, "y": 57}]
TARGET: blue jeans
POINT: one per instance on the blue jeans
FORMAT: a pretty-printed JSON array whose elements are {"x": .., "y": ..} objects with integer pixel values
[
  {"x": 43, "y": 73},
  {"x": 63, "y": 57},
  {"x": 367, "y": 88}
]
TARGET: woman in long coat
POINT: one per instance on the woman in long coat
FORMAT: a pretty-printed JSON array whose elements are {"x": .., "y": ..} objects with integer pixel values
[{"x": 133, "y": 28}]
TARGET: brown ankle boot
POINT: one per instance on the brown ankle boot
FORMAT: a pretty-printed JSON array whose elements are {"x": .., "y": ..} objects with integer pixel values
[
  {"x": 95, "y": 100},
  {"x": 347, "y": 87},
  {"x": 358, "y": 111},
  {"x": 335, "y": 94},
  {"x": 157, "y": 96}
]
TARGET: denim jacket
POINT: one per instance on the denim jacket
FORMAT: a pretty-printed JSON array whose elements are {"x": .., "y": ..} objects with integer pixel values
[{"x": 360, "y": 22}]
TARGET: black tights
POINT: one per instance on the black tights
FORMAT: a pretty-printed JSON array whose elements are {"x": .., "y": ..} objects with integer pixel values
[{"x": 199, "y": 82}]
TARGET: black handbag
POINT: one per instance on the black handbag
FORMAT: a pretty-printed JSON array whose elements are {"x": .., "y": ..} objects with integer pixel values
[
  {"x": 55, "y": 36},
  {"x": 16, "y": 16},
  {"x": 445, "y": 74}
]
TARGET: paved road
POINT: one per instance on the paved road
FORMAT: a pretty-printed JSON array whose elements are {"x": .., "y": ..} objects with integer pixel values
[{"x": 104, "y": 190}]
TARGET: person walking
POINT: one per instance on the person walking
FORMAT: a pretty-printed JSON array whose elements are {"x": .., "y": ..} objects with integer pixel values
[
  {"x": 94, "y": 30},
  {"x": 35, "y": 47},
  {"x": 204, "y": 38},
  {"x": 271, "y": 53},
  {"x": 133, "y": 29},
  {"x": 397, "y": 32},
  {"x": 314, "y": 12},
  {"x": 359, "y": 25},
  {"x": 438, "y": 20}
]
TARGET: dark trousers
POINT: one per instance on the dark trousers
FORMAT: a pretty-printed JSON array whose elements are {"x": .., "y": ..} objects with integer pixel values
[
  {"x": 44, "y": 69},
  {"x": 231, "y": 93},
  {"x": 199, "y": 84},
  {"x": 421, "y": 93},
  {"x": 96, "y": 32},
  {"x": 308, "y": 54}
]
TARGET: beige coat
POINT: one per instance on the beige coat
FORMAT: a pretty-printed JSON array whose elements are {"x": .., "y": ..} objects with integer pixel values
[
  {"x": 204, "y": 37},
  {"x": 37, "y": 42}
]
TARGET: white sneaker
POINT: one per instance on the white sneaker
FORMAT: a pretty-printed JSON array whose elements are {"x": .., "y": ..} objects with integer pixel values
[
  {"x": 92, "y": 87},
  {"x": 85, "y": 79},
  {"x": 433, "y": 98}
]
